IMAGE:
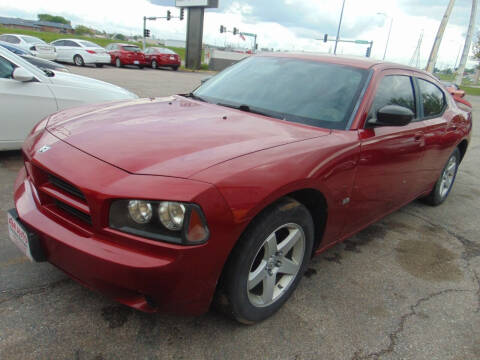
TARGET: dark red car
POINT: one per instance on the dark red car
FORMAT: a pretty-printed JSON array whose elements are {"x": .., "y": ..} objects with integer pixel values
[
  {"x": 126, "y": 54},
  {"x": 230, "y": 190},
  {"x": 160, "y": 57}
]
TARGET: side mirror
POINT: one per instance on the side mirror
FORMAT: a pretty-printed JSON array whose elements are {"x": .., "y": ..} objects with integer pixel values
[
  {"x": 23, "y": 75},
  {"x": 204, "y": 80},
  {"x": 392, "y": 115}
]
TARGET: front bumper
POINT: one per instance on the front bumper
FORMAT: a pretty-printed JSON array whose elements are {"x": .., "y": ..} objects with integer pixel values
[{"x": 144, "y": 274}]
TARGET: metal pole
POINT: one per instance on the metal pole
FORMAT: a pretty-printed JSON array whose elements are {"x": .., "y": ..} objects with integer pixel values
[
  {"x": 255, "y": 44},
  {"x": 438, "y": 39},
  {"x": 388, "y": 38},
  {"x": 144, "y": 27},
  {"x": 338, "y": 31},
  {"x": 468, "y": 43}
]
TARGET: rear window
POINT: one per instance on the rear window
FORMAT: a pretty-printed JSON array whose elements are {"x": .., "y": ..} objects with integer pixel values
[
  {"x": 32, "y": 39},
  {"x": 166, "y": 51},
  {"x": 132, "y": 48},
  {"x": 88, "y": 43}
]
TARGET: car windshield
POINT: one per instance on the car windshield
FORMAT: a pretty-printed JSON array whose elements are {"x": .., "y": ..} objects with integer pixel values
[
  {"x": 88, "y": 44},
  {"x": 132, "y": 48},
  {"x": 32, "y": 40},
  {"x": 308, "y": 92}
]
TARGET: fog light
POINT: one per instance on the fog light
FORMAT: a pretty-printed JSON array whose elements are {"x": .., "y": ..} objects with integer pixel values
[
  {"x": 140, "y": 211},
  {"x": 171, "y": 215}
]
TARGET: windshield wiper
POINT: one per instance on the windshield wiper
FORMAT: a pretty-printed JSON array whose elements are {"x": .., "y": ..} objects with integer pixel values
[
  {"x": 247, "y": 108},
  {"x": 195, "y": 97}
]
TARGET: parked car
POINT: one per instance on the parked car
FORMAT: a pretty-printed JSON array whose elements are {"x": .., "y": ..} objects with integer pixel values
[
  {"x": 28, "y": 94},
  {"x": 454, "y": 89},
  {"x": 81, "y": 52},
  {"x": 126, "y": 54},
  {"x": 35, "y": 60},
  {"x": 36, "y": 46},
  {"x": 161, "y": 57},
  {"x": 230, "y": 190}
]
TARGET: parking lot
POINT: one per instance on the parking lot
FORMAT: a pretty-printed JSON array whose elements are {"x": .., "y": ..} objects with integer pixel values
[{"x": 407, "y": 287}]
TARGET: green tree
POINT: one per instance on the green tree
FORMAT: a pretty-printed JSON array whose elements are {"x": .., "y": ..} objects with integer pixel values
[
  {"x": 84, "y": 30},
  {"x": 120, "y": 37},
  {"x": 53, "y": 18}
]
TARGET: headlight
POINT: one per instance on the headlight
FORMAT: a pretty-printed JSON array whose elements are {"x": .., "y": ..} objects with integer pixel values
[{"x": 168, "y": 221}]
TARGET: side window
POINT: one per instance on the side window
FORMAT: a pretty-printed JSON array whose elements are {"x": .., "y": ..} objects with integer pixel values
[
  {"x": 13, "y": 39},
  {"x": 433, "y": 100},
  {"x": 6, "y": 68},
  {"x": 59, "y": 43},
  {"x": 70, "y": 43},
  {"x": 393, "y": 90}
]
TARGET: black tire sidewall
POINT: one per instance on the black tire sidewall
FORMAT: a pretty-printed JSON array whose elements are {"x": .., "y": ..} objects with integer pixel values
[
  {"x": 81, "y": 60},
  {"x": 288, "y": 211}
]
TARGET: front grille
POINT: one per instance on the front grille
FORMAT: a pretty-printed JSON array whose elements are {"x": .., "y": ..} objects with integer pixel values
[
  {"x": 72, "y": 190},
  {"x": 74, "y": 212}
]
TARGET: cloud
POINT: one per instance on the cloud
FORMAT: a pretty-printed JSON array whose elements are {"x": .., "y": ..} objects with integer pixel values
[{"x": 435, "y": 9}]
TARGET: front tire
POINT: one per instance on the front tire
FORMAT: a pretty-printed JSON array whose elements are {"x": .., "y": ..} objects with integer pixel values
[
  {"x": 118, "y": 63},
  {"x": 154, "y": 64},
  {"x": 444, "y": 184},
  {"x": 269, "y": 261},
  {"x": 78, "y": 60}
]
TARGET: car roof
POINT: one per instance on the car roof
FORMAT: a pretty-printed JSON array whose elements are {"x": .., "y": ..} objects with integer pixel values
[{"x": 354, "y": 61}]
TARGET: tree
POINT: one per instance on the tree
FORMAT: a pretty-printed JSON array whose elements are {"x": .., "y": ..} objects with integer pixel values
[
  {"x": 84, "y": 30},
  {"x": 120, "y": 37},
  {"x": 53, "y": 18}
]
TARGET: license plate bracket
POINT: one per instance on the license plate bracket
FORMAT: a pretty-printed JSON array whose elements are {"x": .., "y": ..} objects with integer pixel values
[{"x": 27, "y": 241}]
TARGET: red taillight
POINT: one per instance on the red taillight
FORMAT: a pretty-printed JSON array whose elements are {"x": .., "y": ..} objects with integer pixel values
[{"x": 91, "y": 52}]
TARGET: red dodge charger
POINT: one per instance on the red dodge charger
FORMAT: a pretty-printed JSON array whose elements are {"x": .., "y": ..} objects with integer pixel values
[{"x": 227, "y": 192}]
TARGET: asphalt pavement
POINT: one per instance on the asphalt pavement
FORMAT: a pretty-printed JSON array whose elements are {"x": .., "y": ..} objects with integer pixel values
[{"x": 407, "y": 287}]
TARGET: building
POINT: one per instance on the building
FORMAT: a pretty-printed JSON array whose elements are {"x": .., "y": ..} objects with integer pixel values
[{"x": 35, "y": 25}]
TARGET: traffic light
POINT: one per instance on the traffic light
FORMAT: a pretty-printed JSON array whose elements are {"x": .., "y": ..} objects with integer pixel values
[
  {"x": 169, "y": 15},
  {"x": 235, "y": 31},
  {"x": 182, "y": 13},
  {"x": 369, "y": 51},
  {"x": 146, "y": 33},
  {"x": 223, "y": 29},
  {"x": 325, "y": 38}
]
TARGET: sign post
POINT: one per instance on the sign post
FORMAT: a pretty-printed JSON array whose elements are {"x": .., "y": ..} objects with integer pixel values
[{"x": 196, "y": 12}]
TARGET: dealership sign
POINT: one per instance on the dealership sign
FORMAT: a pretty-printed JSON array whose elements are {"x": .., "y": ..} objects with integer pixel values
[{"x": 197, "y": 3}]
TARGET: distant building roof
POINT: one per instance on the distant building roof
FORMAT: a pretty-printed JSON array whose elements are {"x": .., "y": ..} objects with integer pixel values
[{"x": 32, "y": 23}]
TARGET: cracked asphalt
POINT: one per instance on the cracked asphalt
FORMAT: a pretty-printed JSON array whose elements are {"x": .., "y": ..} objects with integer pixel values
[{"x": 407, "y": 287}]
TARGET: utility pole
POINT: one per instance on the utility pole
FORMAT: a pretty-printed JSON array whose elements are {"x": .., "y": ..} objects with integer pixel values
[
  {"x": 338, "y": 31},
  {"x": 144, "y": 28},
  {"x": 438, "y": 39},
  {"x": 416, "y": 54},
  {"x": 468, "y": 43}
]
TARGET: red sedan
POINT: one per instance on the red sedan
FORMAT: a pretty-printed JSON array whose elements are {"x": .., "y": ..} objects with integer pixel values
[
  {"x": 126, "y": 54},
  {"x": 230, "y": 190},
  {"x": 160, "y": 57}
]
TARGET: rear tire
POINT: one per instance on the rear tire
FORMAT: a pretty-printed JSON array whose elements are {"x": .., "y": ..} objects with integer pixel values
[
  {"x": 140, "y": 67},
  {"x": 268, "y": 262},
  {"x": 118, "y": 63},
  {"x": 99, "y": 65},
  {"x": 174, "y": 68},
  {"x": 154, "y": 64},
  {"x": 78, "y": 60},
  {"x": 444, "y": 184}
]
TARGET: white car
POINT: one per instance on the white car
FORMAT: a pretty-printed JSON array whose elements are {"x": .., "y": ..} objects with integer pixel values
[
  {"x": 28, "y": 94},
  {"x": 80, "y": 52},
  {"x": 36, "y": 46}
]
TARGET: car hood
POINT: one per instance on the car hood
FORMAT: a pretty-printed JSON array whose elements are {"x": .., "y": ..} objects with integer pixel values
[
  {"x": 172, "y": 136},
  {"x": 78, "y": 81}
]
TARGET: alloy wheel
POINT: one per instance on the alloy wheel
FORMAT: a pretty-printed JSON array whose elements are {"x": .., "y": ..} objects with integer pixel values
[
  {"x": 276, "y": 265},
  {"x": 448, "y": 176}
]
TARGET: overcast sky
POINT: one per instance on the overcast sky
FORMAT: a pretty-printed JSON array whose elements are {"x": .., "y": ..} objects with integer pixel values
[{"x": 281, "y": 24}]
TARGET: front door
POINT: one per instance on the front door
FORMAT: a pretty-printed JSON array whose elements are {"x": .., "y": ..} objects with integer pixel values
[{"x": 390, "y": 156}]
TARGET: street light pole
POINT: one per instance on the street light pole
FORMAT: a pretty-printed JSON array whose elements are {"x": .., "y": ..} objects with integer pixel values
[{"x": 338, "y": 31}]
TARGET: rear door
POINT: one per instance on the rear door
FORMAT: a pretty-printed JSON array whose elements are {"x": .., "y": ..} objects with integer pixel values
[
  {"x": 390, "y": 156},
  {"x": 441, "y": 129}
]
